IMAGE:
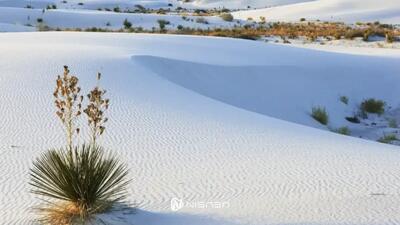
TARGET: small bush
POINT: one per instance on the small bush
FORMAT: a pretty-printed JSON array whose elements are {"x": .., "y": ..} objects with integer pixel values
[
  {"x": 387, "y": 139},
  {"x": 52, "y": 6},
  {"x": 351, "y": 34},
  {"x": 320, "y": 115},
  {"x": 390, "y": 38},
  {"x": 127, "y": 24},
  {"x": 343, "y": 130},
  {"x": 227, "y": 17},
  {"x": 344, "y": 99},
  {"x": 162, "y": 23},
  {"x": 373, "y": 106}
]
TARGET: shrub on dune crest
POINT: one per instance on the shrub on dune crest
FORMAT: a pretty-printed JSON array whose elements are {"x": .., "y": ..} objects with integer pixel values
[{"x": 78, "y": 181}]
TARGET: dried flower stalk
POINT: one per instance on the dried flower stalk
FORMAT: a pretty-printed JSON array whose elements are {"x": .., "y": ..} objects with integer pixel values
[
  {"x": 69, "y": 103},
  {"x": 95, "y": 110}
]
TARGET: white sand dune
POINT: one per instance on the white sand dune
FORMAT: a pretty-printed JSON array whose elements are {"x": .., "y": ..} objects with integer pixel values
[
  {"x": 387, "y": 11},
  {"x": 182, "y": 140},
  {"x": 66, "y": 18}
]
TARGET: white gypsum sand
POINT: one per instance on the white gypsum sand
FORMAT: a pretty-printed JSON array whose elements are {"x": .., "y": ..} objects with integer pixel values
[
  {"x": 191, "y": 118},
  {"x": 350, "y": 11}
]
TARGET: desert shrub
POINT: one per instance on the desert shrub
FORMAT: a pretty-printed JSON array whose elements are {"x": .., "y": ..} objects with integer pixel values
[
  {"x": 227, "y": 17},
  {"x": 320, "y": 115},
  {"x": 117, "y": 9},
  {"x": 78, "y": 181},
  {"x": 343, "y": 130},
  {"x": 373, "y": 106},
  {"x": 127, "y": 24},
  {"x": 388, "y": 138},
  {"x": 390, "y": 38},
  {"x": 351, "y": 34},
  {"x": 162, "y": 24},
  {"x": 52, "y": 6},
  {"x": 344, "y": 99},
  {"x": 302, "y": 19},
  {"x": 82, "y": 184},
  {"x": 367, "y": 33}
]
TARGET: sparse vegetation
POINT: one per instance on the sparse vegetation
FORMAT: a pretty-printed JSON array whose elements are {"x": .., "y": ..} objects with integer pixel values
[
  {"x": 320, "y": 115},
  {"x": 162, "y": 24},
  {"x": 343, "y": 130},
  {"x": 373, "y": 106},
  {"x": 310, "y": 30},
  {"x": 127, "y": 24},
  {"x": 388, "y": 138}
]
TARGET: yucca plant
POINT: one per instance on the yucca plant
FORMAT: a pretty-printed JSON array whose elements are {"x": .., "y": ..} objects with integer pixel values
[
  {"x": 82, "y": 184},
  {"x": 78, "y": 182}
]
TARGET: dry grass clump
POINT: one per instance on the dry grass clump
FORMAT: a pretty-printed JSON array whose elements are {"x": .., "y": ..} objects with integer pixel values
[
  {"x": 320, "y": 114},
  {"x": 372, "y": 105}
]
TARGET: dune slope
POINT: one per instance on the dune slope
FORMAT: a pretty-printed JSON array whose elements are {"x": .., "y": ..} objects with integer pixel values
[
  {"x": 387, "y": 11},
  {"x": 183, "y": 142}
]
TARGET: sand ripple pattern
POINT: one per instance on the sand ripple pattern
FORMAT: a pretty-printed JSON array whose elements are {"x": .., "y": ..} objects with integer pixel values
[{"x": 180, "y": 144}]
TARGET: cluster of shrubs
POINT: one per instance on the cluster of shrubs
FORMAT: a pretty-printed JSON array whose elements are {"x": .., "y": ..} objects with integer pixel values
[
  {"x": 388, "y": 138},
  {"x": 284, "y": 30}
]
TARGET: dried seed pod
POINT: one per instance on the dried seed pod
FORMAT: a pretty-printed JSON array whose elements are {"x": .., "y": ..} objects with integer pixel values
[
  {"x": 68, "y": 103},
  {"x": 95, "y": 110}
]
